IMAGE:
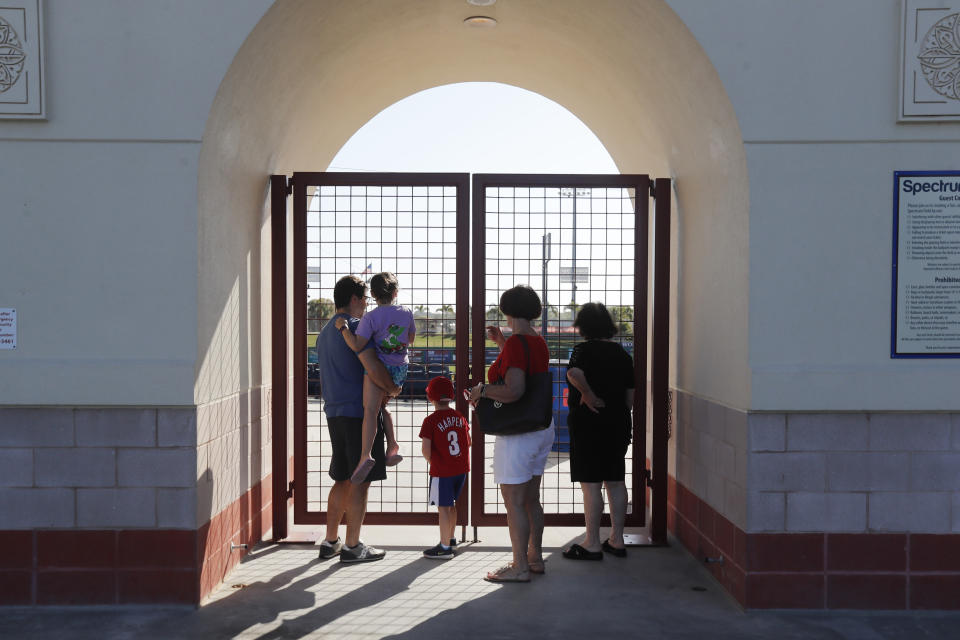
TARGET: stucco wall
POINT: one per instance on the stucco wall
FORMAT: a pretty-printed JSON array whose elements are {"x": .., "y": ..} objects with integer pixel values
[
  {"x": 815, "y": 93},
  {"x": 98, "y": 251},
  {"x": 128, "y": 295}
]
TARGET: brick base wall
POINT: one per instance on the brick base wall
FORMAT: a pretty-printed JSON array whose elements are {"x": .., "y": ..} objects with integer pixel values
[
  {"x": 246, "y": 521},
  {"x": 818, "y": 570},
  {"x": 118, "y": 566},
  {"x": 70, "y": 567}
]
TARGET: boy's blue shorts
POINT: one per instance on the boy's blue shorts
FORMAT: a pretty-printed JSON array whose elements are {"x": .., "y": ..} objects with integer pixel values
[{"x": 445, "y": 491}]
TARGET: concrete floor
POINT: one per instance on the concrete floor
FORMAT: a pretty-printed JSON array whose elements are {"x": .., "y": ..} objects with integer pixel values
[{"x": 283, "y": 591}]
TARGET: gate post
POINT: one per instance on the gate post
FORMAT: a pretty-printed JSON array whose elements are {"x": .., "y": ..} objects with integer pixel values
[
  {"x": 278, "y": 347},
  {"x": 660, "y": 359}
]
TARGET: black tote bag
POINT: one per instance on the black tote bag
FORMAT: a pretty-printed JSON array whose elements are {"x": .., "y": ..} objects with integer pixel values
[{"x": 532, "y": 412}]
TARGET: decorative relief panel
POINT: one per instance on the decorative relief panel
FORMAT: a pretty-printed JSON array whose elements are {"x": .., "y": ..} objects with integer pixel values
[
  {"x": 21, "y": 60},
  {"x": 930, "y": 60}
]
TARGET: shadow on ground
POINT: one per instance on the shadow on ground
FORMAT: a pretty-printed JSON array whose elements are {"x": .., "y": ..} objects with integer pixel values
[{"x": 284, "y": 591}]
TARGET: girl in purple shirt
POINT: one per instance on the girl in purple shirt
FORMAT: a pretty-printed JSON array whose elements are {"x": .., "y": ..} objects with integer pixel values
[{"x": 392, "y": 328}]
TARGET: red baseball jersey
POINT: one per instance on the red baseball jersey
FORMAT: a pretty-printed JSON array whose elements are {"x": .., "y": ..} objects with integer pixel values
[{"x": 449, "y": 438}]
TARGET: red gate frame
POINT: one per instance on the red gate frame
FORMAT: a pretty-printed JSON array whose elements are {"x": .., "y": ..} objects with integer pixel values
[
  {"x": 300, "y": 181},
  {"x": 661, "y": 302},
  {"x": 655, "y": 478}
]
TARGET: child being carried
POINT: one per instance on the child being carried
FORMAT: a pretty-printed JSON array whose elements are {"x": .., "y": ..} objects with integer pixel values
[{"x": 392, "y": 328}]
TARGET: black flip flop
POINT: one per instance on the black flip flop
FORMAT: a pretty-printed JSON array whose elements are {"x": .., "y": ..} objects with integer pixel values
[
  {"x": 612, "y": 550},
  {"x": 576, "y": 552}
]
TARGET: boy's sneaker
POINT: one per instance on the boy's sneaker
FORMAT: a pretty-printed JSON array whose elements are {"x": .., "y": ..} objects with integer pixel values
[
  {"x": 453, "y": 542},
  {"x": 361, "y": 553},
  {"x": 330, "y": 549},
  {"x": 438, "y": 553}
]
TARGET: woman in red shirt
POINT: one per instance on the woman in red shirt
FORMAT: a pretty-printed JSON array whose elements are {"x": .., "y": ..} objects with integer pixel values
[{"x": 519, "y": 460}]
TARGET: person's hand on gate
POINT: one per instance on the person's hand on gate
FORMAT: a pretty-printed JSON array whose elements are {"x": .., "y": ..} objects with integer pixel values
[
  {"x": 495, "y": 334},
  {"x": 474, "y": 393}
]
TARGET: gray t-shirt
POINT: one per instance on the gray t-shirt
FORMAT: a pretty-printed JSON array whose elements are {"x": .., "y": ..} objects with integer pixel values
[{"x": 341, "y": 374}]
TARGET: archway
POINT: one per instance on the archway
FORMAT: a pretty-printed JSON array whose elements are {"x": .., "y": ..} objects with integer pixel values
[{"x": 311, "y": 74}]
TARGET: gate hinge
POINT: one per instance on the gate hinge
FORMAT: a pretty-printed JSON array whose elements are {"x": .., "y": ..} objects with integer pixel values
[
  {"x": 647, "y": 477},
  {"x": 289, "y": 185},
  {"x": 653, "y": 189},
  {"x": 290, "y": 490}
]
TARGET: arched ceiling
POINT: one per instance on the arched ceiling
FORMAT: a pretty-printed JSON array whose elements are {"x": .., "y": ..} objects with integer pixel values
[{"x": 313, "y": 72}]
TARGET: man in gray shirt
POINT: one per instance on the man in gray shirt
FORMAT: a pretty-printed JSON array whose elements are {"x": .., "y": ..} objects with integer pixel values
[{"x": 341, "y": 385}]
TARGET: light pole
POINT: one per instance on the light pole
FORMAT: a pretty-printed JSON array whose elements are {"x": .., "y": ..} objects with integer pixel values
[
  {"x": 574, "y": 193},
  {"x": 546, "y": 258}
]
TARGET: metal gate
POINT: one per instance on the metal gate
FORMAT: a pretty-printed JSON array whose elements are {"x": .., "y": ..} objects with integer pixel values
[
  {"x": 574, "y": 238},
  {"x": 417, "y": 226}
]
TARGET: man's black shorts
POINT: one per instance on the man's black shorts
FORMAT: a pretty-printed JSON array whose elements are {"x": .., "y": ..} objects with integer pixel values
[{"x": 345, "y": 435}]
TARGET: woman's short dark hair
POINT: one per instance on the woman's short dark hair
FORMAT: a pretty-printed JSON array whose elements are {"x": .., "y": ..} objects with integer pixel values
[
  {"x": 520, "y": 302},
  {"x": 346, "y": 288},
  {"x": 383, "y": 286},
  {"x": 594, "y": 321}
]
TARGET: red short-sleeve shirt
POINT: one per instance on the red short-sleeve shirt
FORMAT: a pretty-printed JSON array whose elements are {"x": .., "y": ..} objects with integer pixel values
[
  {"x": 513, "y": 355},
  {"x": 449, "y": 438}
]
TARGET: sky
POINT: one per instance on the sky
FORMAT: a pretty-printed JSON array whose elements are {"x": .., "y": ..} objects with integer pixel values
[
  {"x": 475, "y": 127},
  {"x": 472, "y": 128}
]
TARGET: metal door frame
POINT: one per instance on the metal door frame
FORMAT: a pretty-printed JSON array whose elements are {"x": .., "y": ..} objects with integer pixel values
[
  {"x": 655, "y": 477},
  {"x": 300, "y": 182},
  {"x": 642, "y": 476}
]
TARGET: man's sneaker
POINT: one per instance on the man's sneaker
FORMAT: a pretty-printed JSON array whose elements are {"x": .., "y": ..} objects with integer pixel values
[
  {"x": 330, "y": 549},
  {"x": 438, "y": 553},
  {"x": 361, "y": 553}
]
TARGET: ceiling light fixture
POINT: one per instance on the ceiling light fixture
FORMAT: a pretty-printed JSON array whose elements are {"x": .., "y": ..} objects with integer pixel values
[
  {"x": 481, "y": 3},
  {"x": 480, "y": 21}
]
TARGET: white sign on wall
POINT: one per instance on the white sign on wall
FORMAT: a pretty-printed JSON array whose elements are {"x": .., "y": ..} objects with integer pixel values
[
  {"x": 22, "y": 83},
  {"x": 930, "y": 60},
  {"x": 8, "y": 329},
  {"x": 926, "y": 265}
]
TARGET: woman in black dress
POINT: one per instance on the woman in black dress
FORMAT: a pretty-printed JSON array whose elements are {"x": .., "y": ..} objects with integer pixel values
[{"x": 601, "y": 380}]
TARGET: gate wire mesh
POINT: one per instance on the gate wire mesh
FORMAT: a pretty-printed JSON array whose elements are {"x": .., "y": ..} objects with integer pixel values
[
  {"x": 412, "y": 232},
  {"x": 572, "y": 245}
]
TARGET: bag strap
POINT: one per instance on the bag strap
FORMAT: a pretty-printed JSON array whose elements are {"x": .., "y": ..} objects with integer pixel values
[{"x": 526, "y": 350}]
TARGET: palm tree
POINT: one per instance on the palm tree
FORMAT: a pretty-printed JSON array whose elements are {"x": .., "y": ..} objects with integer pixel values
[
  {"x": 318, "y": 310},
  {"x": 494, "y": 313},
  {"x": 622, "y": 317}
]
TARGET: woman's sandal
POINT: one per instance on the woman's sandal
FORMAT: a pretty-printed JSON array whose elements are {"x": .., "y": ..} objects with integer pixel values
[
  {"x": 360, "y": 473},
  {"x": 507, "y": 573},
  {"x": 620, "y": 552},
  {"x": 576, "y": 552}
]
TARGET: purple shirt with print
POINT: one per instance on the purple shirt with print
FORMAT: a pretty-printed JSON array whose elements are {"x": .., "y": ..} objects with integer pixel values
[{"x": 388, "y": 327}]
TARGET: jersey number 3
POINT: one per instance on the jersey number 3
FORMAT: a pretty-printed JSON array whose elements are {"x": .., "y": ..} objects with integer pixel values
[{"x": 454, "y": 440}]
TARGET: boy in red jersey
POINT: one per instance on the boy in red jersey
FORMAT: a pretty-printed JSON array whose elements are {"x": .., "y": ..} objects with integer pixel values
[{"x": 446, "y": 446}]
